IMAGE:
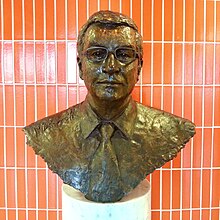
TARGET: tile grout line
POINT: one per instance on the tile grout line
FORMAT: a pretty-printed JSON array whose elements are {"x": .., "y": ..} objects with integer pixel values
[
  {"x": 172, "y": 103},
  {"x": 98, "y": 5},
  {"x": 87, "y": 9},
  {"x": 152, "y": 68},
  {"x": 14, "y": 110},
  {"x": 162, "y": 104},
  {"x": 25, "y": 116},
  {"x": 109, "y": 4},
  {"x": 140, "y": 74},
  {"x": 35, "y": 110},
  {"x": 203, "y": 111},
  {"x": 46, "y": 98},
  {"x": 4, "y": 118},
  {"x": 213, "y": 114},
  {"x": 193, "y": 110},
  {"x": 77, "y": 29},
  {"x": 182, "y": 110},
  {"x": 67, "y": 98},
  {"x": 56, "y": 89},
  {"x": 152, "y": 53}
]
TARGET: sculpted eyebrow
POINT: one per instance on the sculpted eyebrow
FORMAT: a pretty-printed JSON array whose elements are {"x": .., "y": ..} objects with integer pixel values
[
  {"x": 100, "y": 45},
  {"x": 95, "y": 44}
]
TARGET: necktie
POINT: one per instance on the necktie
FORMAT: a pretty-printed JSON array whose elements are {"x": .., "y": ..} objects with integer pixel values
[{"x": 105, "y": 184}]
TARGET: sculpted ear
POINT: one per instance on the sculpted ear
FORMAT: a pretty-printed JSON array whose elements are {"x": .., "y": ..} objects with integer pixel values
[
  {"x": 80, "y": 67},
  {"x": 140, "y": 64}
]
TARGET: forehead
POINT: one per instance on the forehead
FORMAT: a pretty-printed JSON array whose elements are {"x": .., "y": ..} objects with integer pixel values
[{"x": 110, "y": 36}]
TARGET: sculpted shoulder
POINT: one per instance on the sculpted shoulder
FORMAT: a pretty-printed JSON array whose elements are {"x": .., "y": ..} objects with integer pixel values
[
  {"x": 45, "y": 131},
  {"x": 163, "y": 135},
  {"x": 56, "y": 119},
  {"x": 164, "y": 123}
]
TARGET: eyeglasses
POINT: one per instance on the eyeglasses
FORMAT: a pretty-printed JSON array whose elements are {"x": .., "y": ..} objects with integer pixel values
[{"x": 123, "y": 54}]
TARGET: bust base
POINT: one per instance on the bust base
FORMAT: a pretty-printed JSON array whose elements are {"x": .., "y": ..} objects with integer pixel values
[{"x": 135, "y": 206}]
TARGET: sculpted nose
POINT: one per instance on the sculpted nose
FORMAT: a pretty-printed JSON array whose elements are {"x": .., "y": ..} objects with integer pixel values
[{"x": 110, "y": 65}]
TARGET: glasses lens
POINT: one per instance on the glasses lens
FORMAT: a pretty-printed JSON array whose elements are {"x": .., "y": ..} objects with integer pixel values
[
  {"x": 125, "y": 55},
  {"x": 96, "y": 53}
]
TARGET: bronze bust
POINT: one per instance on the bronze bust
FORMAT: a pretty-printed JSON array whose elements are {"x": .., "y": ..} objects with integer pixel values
[{"x": 106, "y": 145}]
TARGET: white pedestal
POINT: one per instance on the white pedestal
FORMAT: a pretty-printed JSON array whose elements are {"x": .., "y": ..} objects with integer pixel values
[{"x": 134, "y": 206}]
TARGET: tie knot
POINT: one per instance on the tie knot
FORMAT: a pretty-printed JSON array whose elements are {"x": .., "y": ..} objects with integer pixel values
[{"x": 106, "y": 130}]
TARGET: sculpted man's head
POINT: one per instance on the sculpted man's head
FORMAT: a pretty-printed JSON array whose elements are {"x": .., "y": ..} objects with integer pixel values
[{"x": 109, "y": 55}]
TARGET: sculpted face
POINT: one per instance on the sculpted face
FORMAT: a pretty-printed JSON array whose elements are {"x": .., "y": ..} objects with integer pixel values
[{"x": 109, "y": 64}]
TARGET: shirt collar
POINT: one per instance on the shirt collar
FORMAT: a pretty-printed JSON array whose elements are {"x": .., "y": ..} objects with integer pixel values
[{"x": 125, "y": 122}]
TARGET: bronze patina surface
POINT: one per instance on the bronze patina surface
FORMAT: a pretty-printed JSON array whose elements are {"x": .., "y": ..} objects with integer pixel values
[{"x": 106, "y": 145}]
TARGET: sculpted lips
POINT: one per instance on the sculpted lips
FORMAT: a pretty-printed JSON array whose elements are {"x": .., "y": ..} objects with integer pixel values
[{"x": 110, "y": 83}]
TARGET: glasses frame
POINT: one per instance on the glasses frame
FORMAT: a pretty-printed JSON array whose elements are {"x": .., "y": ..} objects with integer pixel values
[{"x": 113, "y": 51}]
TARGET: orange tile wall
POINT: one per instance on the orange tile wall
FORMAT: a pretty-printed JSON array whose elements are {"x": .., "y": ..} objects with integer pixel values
[{"x": 181, "y": 74}]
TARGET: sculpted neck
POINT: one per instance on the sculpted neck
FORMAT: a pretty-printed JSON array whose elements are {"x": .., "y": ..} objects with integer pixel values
[{"x": 108, "y": 109}]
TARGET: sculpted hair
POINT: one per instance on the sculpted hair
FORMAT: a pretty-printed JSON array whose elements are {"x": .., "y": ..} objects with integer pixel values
[{"x": 111, "y": 19}]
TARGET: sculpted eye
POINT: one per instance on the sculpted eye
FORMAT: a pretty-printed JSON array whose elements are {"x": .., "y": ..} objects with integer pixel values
[
  {"x": 96, "y": 54},
  {"x": 125, "y": 55}
]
